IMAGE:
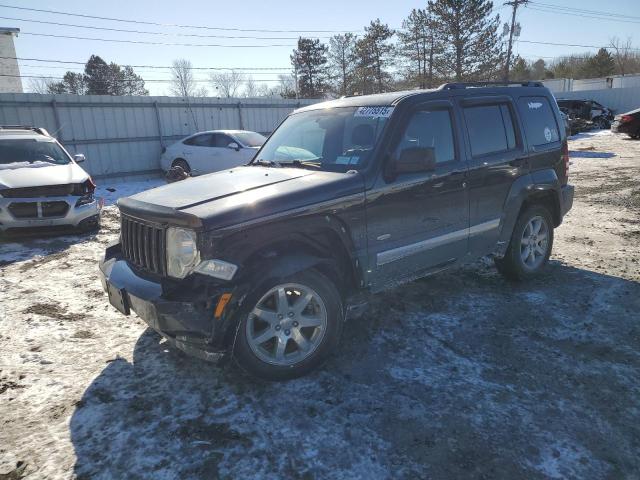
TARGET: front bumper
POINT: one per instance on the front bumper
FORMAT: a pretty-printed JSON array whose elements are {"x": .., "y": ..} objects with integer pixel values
[
  {"x": 185, "y": 316},
  {"x": 35, "y": 214}
]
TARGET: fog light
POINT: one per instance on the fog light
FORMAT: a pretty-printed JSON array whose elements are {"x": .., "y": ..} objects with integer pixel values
[{"x": 217, "y": 269}]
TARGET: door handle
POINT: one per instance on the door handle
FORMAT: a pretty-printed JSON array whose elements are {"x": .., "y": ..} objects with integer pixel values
[
  {"x": 518, "y": 162},
  {"x": 456, "y": 174}
]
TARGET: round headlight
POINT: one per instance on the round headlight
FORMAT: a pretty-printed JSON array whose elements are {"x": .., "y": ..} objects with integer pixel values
[{"x": 182, "y": 252}]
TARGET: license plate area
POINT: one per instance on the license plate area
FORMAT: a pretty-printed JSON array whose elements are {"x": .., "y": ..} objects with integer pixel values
[{"x": 118, "y": 298}]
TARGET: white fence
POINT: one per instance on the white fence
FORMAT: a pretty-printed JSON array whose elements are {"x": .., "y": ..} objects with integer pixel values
[
  {"x": 621, "y": 100},
  {"x": 124, "y": 135}
]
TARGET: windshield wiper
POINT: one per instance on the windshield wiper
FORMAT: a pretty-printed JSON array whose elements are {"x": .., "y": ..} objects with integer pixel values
[
  {"x": 303, "y": 164},
  {"x": 266, "y": 163}
]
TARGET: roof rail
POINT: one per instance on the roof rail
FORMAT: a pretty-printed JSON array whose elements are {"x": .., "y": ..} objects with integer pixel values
[
  {"x": 460, "y": 85},
  {"x": 39, "y": 130}
]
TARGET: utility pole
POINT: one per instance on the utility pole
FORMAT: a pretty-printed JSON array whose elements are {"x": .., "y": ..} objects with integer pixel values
[{"x": 514, "y": 5}]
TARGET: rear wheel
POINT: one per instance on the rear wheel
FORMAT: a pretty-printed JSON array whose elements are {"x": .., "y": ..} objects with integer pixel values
[
  {"x": 182, "y": 164},
  {"x": 290, "y": 326},
  {"x": 530, "y": 245}
]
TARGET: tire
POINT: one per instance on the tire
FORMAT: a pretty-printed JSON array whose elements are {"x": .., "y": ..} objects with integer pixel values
[
  {"x": 268, "y": 343},
  {"x": 182, "y": 164},
  {"x": 601, "y": 123},
  {"x": 513, "y": 266}
]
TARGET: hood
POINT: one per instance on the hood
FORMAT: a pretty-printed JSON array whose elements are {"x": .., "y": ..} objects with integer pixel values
[
  {"x": 39, "y": 175},
  {"x": 245, "y": 193}
]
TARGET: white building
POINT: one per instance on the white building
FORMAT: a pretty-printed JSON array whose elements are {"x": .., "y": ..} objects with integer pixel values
[{"x": 10, "y": 81}]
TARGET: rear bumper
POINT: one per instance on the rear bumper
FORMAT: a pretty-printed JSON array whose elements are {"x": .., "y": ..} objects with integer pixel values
[
  {"x": 566, "y": 199},
  {"x": 9, "y": 219},
  {"x": 184, "y": 316},
  {"x": 628, "y": 127}
]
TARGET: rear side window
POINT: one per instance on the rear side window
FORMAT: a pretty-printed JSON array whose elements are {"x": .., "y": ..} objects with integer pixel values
[
  {"x": 539, "y": 121},
  {"x": 204, "y": 140},
  {"x": 490, "y": 129}
]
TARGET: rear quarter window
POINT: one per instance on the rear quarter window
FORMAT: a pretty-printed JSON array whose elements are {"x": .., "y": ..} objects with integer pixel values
[{"x": 540, "y": 124}]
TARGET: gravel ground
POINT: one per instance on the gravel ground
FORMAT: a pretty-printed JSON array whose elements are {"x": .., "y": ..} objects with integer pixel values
[{"x": 462, "y": 375}]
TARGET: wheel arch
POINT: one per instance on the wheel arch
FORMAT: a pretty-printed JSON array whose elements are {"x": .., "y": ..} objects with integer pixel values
[{"x": 538, "y": 188}]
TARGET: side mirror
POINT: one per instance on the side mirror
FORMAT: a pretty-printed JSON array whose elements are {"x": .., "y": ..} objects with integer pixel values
[
  {"x": 79, "y": 158},
  {"x": 416, "y": 159},
  {"x": 234, "y": 146}
]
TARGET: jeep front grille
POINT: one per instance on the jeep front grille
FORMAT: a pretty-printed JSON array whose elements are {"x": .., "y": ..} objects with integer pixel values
[{"x": 143, "y": 244}]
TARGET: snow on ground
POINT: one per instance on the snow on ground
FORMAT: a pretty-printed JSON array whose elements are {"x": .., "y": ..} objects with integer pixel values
[{"x": 462, "y": 375}]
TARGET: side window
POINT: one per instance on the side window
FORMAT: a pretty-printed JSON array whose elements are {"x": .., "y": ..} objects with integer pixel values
[
  {"x": 490, "y": 129},
  {"x": 539, "y": 121},
  {"x": 430, "y": 129},
  {"x": 221, "y": 140},
  {"x": 203, "y": 140}
]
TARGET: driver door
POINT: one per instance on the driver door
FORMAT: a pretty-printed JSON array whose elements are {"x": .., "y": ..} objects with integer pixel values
[{"x": 419, "y": 222}]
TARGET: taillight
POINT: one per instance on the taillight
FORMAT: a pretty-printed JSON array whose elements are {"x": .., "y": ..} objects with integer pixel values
[
  {"x": 626, "y": 118},
  {"x": 565, "y": 159}
]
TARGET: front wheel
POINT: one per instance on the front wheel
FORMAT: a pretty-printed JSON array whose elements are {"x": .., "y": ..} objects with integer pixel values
[
  {"x": 290, "y": 326},
  {"x": 530, "y": 245}
]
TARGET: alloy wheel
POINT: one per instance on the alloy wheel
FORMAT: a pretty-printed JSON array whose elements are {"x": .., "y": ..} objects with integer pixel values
[
  {"x": 534, "y": 242},
  {"x": 287, "y": 324}
]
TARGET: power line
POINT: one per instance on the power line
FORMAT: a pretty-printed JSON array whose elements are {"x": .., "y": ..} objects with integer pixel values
[
  {"x": 69, "y": 62},
  {"x": 600, "y": 13},
  {"x": 138, "y": 70},
  {"x": 164, "y": 44},
  {"x": 576, "y": 14},
  {"x": 143, "y": 22},
  {"x": 571, "y": 45},
  {"x": 154, "y": 80},
  {"x": 146, "y": 32}
]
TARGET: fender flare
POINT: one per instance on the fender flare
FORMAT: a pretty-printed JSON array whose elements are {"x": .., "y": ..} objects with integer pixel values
[{"x": 541, "y": 181}]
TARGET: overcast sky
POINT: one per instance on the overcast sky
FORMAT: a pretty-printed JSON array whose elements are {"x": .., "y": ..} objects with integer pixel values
[{"x": 335, "y": 15}]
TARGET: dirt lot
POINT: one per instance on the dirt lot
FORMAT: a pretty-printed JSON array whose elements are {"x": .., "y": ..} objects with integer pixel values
[{"x": 462, "y": 375}]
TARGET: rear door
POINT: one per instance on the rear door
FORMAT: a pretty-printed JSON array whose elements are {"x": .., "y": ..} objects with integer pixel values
[
  {"x": 196, "y": 151},
  {"x": 418, "y": 222},
  {"x": 498, "y": 158}
]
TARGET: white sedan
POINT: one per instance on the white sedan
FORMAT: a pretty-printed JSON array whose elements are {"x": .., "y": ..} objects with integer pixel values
[{"x": 206, "y": 152}]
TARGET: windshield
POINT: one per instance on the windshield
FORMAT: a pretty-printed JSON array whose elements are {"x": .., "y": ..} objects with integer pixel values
[
  {"x": 31, "y": 150},
  {"x": 336, "y": 139},
  {"x": 250, "y": 139}
]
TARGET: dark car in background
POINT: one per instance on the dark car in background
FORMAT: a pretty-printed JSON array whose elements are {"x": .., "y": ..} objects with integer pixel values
[
  {"x": 628, "y": 123},
  {"x": 587, "y": 110}
]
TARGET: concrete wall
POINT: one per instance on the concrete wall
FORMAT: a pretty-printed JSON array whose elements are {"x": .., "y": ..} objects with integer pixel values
[
  {"x": 9, "y": 66},
  {"x": 621, "y": 100},
  {"x": 124, "y": 135}
]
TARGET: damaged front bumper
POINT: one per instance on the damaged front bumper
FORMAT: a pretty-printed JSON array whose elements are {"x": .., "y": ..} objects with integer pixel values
[{"x": 188, "y": 316}]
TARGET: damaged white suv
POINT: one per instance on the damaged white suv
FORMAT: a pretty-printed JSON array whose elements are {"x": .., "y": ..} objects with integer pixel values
[{"x": 41, "y": 186}]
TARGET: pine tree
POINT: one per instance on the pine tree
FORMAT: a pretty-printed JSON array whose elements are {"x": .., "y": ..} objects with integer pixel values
[
  {"x": 419, "y": 46},
  {"x": 373, "y": 56},
  {"x": 520, "y": 70},
  {"x": 470, "y": 35},
  {"x": 310, "y": 63},
  {"x": 601, "y": 64},
  {"x": 341, "y": 62},
  {"x": 72, "y": 82}
]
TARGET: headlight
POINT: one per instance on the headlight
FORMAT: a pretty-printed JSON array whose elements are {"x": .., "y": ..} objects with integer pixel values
[{"x": 182, "y": 252}]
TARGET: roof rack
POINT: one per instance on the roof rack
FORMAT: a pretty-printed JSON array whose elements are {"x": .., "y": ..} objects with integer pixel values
[
  {"x": 461, "y": 85},
  {"x": 39, "y": 130}
]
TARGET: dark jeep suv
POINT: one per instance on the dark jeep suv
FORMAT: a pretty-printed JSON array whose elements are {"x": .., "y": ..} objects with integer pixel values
[{"x": 346, "y": 198}]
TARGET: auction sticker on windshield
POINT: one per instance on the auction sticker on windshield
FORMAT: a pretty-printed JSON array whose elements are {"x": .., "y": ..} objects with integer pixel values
[{"x": 374, "y": 112}]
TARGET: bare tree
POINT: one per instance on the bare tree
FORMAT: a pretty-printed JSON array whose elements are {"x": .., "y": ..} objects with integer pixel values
[
  {"x": 183, "y": 83},
  {"x": 227, "y": 84},
  {"x": 622, "y": 54},
  {"x": 41, "y": 85},
  {"x": 250, "y": 88}
]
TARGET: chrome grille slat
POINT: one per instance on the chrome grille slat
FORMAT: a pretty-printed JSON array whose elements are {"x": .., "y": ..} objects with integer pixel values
[{"x": 143, "y": 244}]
